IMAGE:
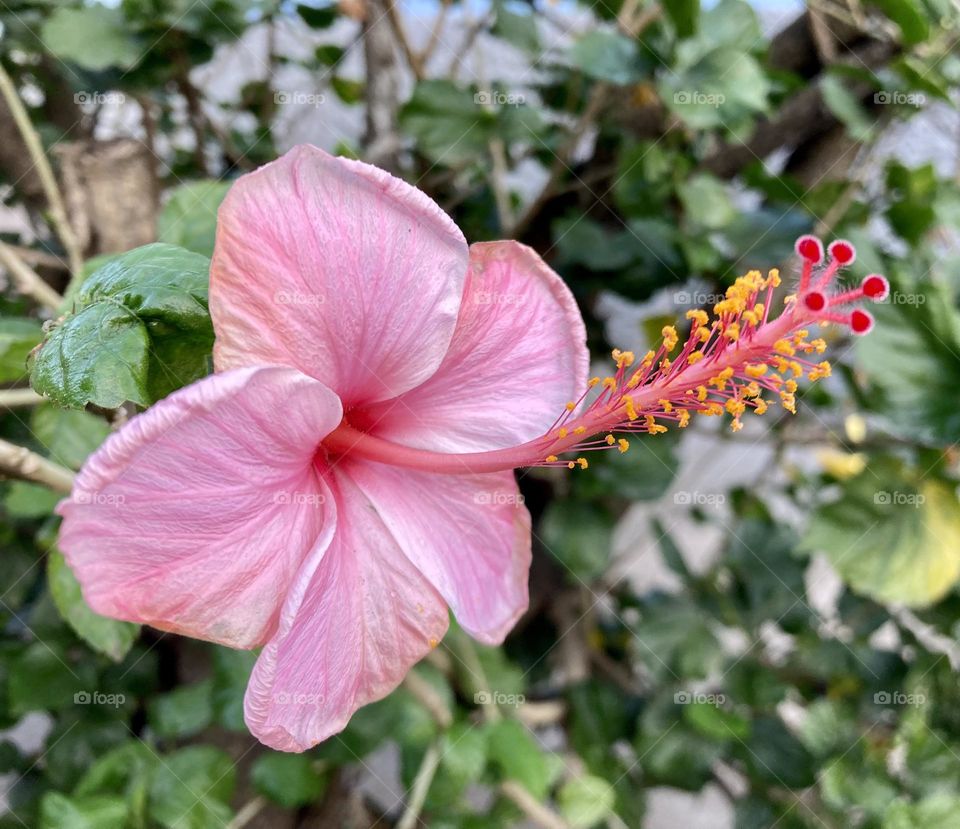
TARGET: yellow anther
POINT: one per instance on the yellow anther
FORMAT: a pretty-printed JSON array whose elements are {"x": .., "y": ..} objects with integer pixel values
[
  {"x": 570, "y": 406},
  {"x": 610, "y": 440},
  {"x": 593, "y": 382},
  {"x": 761, "y": 406},
  {"x": 796, "y": 368},
  {"x": 667, "y": 405},
  {"x": 800, "y": 335},
  {"x": 759, "y": 309},
  {"x": 624, "y": 358},
  {"x": 751, "y": 318},
  {"x": 570, "y": 464},
  {"x": 773, "y": 278},
  {"x": 653, "y": 427},
  {"x": 820, "y": 370},
  {"x": 665, "y": 365},
  {"x": 701, "y": 393},
  {"x": 732, "y": 332},
  {"x": 712, "y": 410},
  {"x": 582, "y": 463},
  {"x": 736, "y": 425},
  {"x": 789, "y": 401},
  {"x": 695, "y": 357},
  {"x": 580, "y": 430},
  {"x": 790, "y": 386},
  {"x": 699, "y": 316},
  {"x": 756, "y": 370},
  {"x": 819, "y": 345},
  {"x": 684, "y": 418},
  {"x": 720, "y": 380},
  {"x": 703, "y": 333},
  {"x": 634, "y": 381},
  {"x": 630, "y": 408},
  {"x": 551, "y": 458},
  {"x": 781, "y": 364},
  {"x": 623, "y": 445},
  {"x": 784, "y": 347},
  {"x": 735, "y": 407},
  {"x": 562, "y": 432},
  {"x": 751, "y": 390},
  {"x": 647, "y": 360},
  {"x": 609, "y": 383}
]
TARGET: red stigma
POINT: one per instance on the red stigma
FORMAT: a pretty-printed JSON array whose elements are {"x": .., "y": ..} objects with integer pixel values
[
  {"x": 860, "y": 322},
  {"x": 875, "y": 287},
  {"x": 810, "y": 248},
  {"x": 843, "y": 252},
  {"x": 815, "y": 301}
]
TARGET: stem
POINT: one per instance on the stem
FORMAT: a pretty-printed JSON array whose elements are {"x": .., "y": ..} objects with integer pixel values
[
  {"x": 20, "y": 462},
  {"x": 58, "y": 212},
  {"x": 531, "y": 807},
  {"x": 421, "y": 785},
  {"x": 27, "y": 280},
  {"x": 247, "y": 813},
  {"x": 14, "y": 398}
]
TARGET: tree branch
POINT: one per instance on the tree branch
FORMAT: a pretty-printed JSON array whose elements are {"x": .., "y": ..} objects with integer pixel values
[{"x": 20, "y": 462}]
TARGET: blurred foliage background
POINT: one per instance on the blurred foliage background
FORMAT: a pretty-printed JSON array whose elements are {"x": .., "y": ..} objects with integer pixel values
[{"x": 749, "y": 630}]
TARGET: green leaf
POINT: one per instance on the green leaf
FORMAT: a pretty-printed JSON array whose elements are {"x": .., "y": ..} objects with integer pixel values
[
  {"x": 17, "y": 339},
  {"x": 447, "y": 123},
  {"x": 317, "y": 18},
  {"x": 141, "y": 331},
  {"x": 705, "y": 202},
  {"x": 892, "y": 535},
  {"x": 773, "y": 755},
  {"x": 514, "y": 751},
  {"x": 69, "y": 436},
  {"x": 182, "y": 712},
  {"x": 910, "y": 359},
  {"x": 57, "y": 811},
  {"x": 26, "y": 500},
  {"x": 189, "y": 218},
  {"x": 585, "y": 801},
  {"x": 684, "y": 14},
  {"x": 939, "y": 811},
  {"x": 910, "y": 17},
  {"x": 328, "y": 54},
  {"x": 519, "y": 30},
  {"x": 579, "y": 536},
  {"x": 42, "y": 677},
  {"x": 108, "y": 636},
  {"x": 191, "y": 789},
  {"x": 608, "y": 56},
  {"x": 93, "y": 37},
  {"x": 846, "y": 107},
  {"x": 231, "y": 672},
  {"x": 292, "y": 780}
]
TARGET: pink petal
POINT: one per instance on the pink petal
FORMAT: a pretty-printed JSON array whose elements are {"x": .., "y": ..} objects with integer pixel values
[
  {"x": 468, "y": 534},
  {"x": 339, "y": 269},
  {"x": 195, "y": 516},
  {"x": 362, "y": 618},
  {"x": 518, "y": 355}
]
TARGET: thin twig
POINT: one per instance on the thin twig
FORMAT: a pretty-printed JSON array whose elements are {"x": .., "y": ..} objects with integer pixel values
[
  {"x": 413, "y": 58},
  {"x": 15, "y": 398},
  {"x": 27, "y": 280},
  {"x": 427, "y": 52},
  {"x": 20, "y": 462},
  {"x": 247, "y": 813},
  {"x": 429, "y": 699},
  {"x": 58, "y": 212},
  {"x": 421, "y": 785},
  {"x": 531, "y": 807}
]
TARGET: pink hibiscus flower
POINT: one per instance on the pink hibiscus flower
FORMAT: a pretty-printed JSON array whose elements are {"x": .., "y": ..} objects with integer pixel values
[
  {"x": 339, "y": 294},
  {"x": 346, "y": 476}
]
